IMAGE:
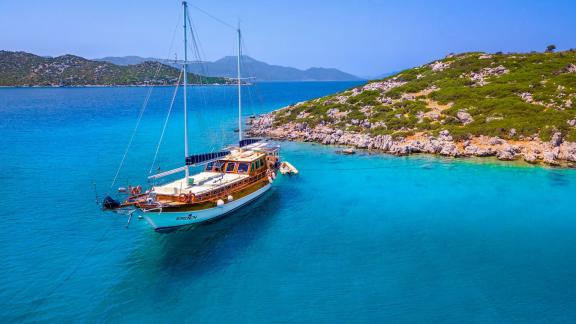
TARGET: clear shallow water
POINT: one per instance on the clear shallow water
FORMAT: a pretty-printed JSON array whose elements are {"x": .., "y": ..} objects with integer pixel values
[{"x": 360, "y": 238}]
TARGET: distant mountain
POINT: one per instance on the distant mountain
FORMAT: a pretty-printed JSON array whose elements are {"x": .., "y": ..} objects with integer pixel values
[
  {"x": 25, "y": 69},
  {"x": 226, "y": 67},
  {"x": 127, "y": 60}
]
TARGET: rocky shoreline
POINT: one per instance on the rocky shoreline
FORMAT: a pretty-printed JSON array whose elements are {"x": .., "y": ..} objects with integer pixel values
[{"x": 555, "y": 152}]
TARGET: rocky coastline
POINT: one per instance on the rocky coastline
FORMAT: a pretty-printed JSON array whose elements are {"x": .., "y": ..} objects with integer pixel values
[
  {"x": 512, "y": 107},
  {"x": 556, "y": 152}
]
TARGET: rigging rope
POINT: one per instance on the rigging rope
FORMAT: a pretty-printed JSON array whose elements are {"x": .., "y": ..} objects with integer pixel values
[
  {"x": 196, "y": 52},
  {"x": 203, "y": 73},
  {"x": 213, "y": 17},
  {"x": 142, "y": 109},
  {"x": 166, "y": 122},
  {"x": 134, "y": 132}
]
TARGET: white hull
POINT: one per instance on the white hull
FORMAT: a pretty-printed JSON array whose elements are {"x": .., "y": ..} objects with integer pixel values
[{"x": 165, "y": 221}]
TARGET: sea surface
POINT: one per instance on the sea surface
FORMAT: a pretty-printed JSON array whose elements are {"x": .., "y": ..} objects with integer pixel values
[{"x": 364, "y": 238}]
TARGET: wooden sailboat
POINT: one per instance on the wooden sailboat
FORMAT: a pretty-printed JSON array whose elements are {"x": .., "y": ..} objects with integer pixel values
[{"x": 230, "y": 178}]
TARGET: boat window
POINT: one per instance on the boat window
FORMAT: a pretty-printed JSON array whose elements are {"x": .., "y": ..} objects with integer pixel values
[
  {"x": 218, "y": 165},
  {"x": 253, "y": 166},
  {"x": 230, "y": 167},
  {"x": 209, "y": 166},
  {"x": 243, "y": 168}
]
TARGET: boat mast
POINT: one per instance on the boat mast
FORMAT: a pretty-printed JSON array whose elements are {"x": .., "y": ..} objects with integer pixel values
[
  {"x": 185, "y": 5},
  {"x": 239, "y": 86}
]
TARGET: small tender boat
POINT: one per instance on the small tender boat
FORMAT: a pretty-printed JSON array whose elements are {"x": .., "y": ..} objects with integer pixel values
[
  {"x": 346, "y": 151},
  {"x": 287, "y": 168},
  {"x": 229, "y": 179}
]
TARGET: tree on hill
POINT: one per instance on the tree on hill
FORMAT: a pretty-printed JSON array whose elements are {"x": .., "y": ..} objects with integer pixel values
[{"x": 550, "y": 48}]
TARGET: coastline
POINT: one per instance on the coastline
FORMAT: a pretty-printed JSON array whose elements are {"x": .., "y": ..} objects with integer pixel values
[
  {"x": 167, "y": 85},
  {"x": 121, "y": 85},
  {"x": 556, "y": 153},
  {"x": 427, "y": 157}
]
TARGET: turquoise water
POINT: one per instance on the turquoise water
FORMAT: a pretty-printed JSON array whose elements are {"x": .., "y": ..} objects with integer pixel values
[{"x": 365, "y": 238}]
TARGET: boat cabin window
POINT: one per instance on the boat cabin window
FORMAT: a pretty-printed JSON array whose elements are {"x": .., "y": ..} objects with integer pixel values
[
  {"x": 230, "y": 166},
  {"x": 209, "y": 166},
  {"x": 260, "y": 163},
  {"x": 218, "y": 166},
  {"x": 243, "y": 168}
]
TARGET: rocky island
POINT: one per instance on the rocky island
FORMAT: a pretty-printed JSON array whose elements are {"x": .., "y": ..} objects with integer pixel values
[
  {"x": 510, "y": 106},
  {"x": 21, "y": 69}
]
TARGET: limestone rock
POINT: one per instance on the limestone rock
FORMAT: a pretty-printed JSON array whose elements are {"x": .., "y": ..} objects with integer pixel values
[
  {"x": 556, "y": 139},
  {"x": 439, "y": 66},
  {"x": 505, "y": 156},
  {"x": 464, "y": 117},
  {"x": 550, "y": 158},
  {"x": 449, "y": 149},
  {"x": 526, "y": 96},
  {"x": 570, "y": 68},
  {"x": 530, "y": 158},
  {"x": 471, "y": 150},
  {"x": 496, "y": 141}
]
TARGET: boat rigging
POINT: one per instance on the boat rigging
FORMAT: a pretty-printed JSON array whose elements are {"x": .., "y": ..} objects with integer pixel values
[{"x": 230, "y": 179}]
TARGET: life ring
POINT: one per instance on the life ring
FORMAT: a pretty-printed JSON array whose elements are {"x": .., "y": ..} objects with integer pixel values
[{"x": 183, "y": 197}]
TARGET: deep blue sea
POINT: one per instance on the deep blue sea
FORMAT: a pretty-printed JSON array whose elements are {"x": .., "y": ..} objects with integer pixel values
[{"x": 364, "y": 238}]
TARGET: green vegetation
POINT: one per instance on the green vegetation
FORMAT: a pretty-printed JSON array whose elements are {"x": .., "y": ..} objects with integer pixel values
[
  {"x": 512, "y": 96},
  {"x": 24, "y": 69}
]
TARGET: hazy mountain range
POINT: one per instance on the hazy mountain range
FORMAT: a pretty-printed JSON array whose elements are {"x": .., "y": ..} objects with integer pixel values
[{"x": 261, "y": 71}]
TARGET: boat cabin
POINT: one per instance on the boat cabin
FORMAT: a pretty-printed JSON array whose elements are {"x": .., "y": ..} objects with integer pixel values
[
  {"x": 248, "y": 163},
  {"x": 235, "y": 170}
]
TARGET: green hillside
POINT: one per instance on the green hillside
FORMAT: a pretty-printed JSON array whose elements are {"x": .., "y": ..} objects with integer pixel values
[
  {"x": 512, "y": 96},
  {"x": 25, "y": 69}
]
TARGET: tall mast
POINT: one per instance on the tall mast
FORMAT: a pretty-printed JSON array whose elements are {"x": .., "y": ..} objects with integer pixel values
[
  {"x": 239, "y": 86},
  {"x": 185, "y": 5}
]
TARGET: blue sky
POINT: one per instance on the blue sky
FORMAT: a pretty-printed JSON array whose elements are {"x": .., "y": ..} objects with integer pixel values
[{"x": 362, "y": 37}]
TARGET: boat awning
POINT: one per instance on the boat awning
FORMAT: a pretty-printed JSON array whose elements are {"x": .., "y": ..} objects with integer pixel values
[
  {"x": 167, "y": 173},
  {"x": 199, "y": 158},
  {"x": 248, "y": 141}
]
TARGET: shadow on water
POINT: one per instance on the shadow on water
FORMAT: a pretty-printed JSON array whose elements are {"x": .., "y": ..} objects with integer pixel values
[
  {"x": 161, "y": 262},
  {"x": 195, "y": 251},
  {"x": 218, "y": 242},
  {"x": 558, "y": 179}
]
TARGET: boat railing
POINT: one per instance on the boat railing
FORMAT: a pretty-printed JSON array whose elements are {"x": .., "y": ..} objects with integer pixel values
[{"x": 224, "y": 191}]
